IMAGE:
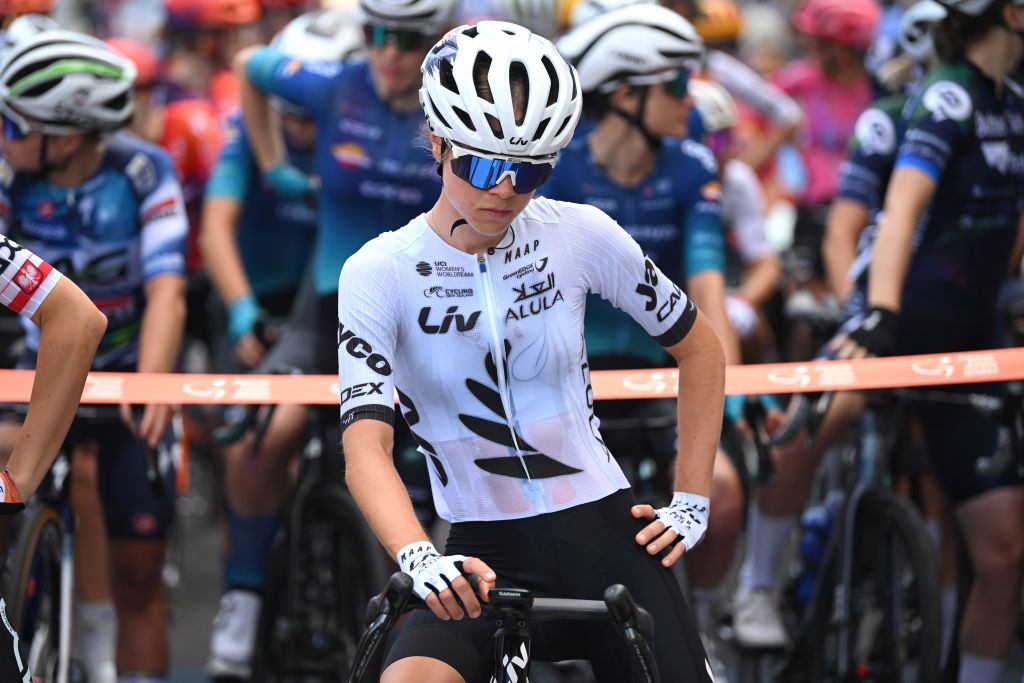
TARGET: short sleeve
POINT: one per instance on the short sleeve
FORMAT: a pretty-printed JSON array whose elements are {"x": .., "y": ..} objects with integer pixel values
[
  {"x": 743, "y": 210},
  {"x": 234, "y": 169},
  {"x": 306, "y": 84},
  {"x": 162, "y": 217},
  {"x": 940, "y": 121},
  {"x": 865, "y": 173},
  {"x": 25, "y": 279},
  {"x": 704, "y": 236},
  {"x": 368, "y": 319},
  {"x": 611, "y": 264}
]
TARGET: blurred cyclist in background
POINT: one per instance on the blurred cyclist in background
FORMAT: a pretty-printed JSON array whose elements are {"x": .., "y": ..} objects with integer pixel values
[
  {"x": 635, "y": 65},
  {"x": 257, "y": 284},
  {"x": 752, "y": 266},
  {"x": 833, "y": 87},
  {"x": 278, "y": 13},
  {"x": 107, "y": 211}
]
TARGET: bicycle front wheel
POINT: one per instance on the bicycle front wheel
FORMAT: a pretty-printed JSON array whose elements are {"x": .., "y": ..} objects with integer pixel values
[
  {"x": 893, "y": 629},
  {"x": 33, "y": 589}
]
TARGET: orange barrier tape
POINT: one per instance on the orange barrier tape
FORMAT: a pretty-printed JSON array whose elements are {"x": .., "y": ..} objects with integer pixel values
[{"x": 783, "y": 378}]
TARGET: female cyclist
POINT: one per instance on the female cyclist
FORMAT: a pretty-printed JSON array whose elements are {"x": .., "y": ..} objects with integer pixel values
[
  {"x": 951, "y": 218},
  {"x": 107, "y": 212},
  {"x": 634, "y": 65},
  {"x": 474, "y": 312}
]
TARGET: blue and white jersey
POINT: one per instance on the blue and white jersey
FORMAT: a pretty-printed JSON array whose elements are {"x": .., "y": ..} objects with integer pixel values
[
  {"x": 122, "y": 227},
  {"x": 673, "y": 214},
  {"x": 375, "y": 169}
]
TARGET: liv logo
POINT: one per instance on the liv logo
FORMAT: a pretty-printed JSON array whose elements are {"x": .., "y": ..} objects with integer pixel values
[
  {"x": 518, "y": 141},
  {"x": 514, "y": 666},
  {"x": 462, "y": 324}
]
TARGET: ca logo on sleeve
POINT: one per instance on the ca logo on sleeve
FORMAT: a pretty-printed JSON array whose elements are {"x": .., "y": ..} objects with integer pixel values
[{"x": 947, "y": 100}]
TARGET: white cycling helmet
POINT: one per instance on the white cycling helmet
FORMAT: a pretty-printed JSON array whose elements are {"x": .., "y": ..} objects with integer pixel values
[
  {"x": 424, "y": 16},
  {"x": 973, "y": 8},
  {"x": 635, "y": 44},
  {"x": 23, "y": 28},
  {"x": 586, "y": 10},
  {"x": 916, "y": 24},
  {"x": 486, "y": 123},
  {"x": 715, "y": 104},
  {"x": 328, "y": 35},
  {"x": 69, "y": 82},
  {"x": 540, "y": 16}
]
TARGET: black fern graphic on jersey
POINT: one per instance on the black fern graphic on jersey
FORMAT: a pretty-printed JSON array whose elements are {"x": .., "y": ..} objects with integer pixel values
[
  {"x": 412, "y": 417},
  {"x": 538, "y": 465}
]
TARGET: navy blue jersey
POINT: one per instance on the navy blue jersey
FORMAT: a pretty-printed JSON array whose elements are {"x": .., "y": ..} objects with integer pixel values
[
  {"x": 110, "y": 235},
  {"x": 375, "y": 171},
  {"x": 970, "y": 141},
  {"x": 673, "y": 214}
]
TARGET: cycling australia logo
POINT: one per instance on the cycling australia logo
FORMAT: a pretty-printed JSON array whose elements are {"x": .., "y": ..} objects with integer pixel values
[
  {"x": 439, "y": 292},
  {"x": 441, "y": 269}
]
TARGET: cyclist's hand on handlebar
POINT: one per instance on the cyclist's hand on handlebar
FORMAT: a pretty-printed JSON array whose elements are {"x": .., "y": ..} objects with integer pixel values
[
  {"x": 685, "y": 519},
  {"x": 439, "y": 580},
  {"x": 875, "y": 336}
]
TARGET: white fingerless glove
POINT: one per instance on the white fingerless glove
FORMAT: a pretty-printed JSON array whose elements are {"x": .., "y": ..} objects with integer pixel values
[
  {"x": 687, "y": 515},
  {"x": 431, "y": 571}
]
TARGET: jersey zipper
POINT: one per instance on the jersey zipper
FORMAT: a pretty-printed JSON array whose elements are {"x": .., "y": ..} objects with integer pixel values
[{"x": 491, "y": 313}]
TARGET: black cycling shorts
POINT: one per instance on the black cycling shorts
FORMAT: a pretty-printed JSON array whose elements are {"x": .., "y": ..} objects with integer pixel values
[{"x": 574, "y": 553}]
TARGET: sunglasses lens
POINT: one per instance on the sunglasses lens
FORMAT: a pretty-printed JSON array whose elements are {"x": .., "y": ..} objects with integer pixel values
[
  {"x": 379, "y": 36},
  {"x": 680, "y": 85},
  {"x": 484, "y": 174}
]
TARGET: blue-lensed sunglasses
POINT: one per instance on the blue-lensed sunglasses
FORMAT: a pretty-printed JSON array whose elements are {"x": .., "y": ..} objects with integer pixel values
[{"x": 484, "y": 174}]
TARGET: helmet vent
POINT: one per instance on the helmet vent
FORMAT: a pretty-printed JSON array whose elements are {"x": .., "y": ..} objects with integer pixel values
[
  {"x": 471, "y": 32},
  {"x": 553, "y": 77},
  {"x": 465, "y": 118},
  {"x": 541, "y": 128},
  {"x": 564, "y": 124},
  {"x": 519, "y": 82},
  {"x": 481, "y": 67},
  {"x": 447, "y": 77},
  {"x": 117, "y": 103},
  {"x": 440, "y": 118}
]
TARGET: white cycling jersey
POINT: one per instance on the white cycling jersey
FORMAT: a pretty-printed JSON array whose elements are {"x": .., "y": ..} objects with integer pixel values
[
  {"x": 512, "y": 434},
  {"x": 753, "y": 89},
  {"x": 743, "y": 210},
  {"x": 25, "y": 279}
]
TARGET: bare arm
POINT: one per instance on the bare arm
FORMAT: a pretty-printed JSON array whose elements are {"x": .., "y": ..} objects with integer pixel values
[
  {"x": 220, "y": 248},
  {"x": 163, "y": 325},
  {"x": 701, "y": 393},
  {"x": 378, "y": 490},
  {"x": 707, "y": 290},
  {"x": 260, "y": 123},
  {"x": 909, "y": 192},
  {"x": 764, "y": 148},
  {"x": 846, "y": 221},
  {"x": 71, "y": 329},
  {"x": 759, "y": 280}
]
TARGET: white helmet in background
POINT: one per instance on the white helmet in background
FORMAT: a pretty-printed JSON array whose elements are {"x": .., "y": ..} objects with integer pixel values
[
  {"x": 25, "y": 27},
  {"x": 540, "y": 16},
  {"x": 328, "y": 35},
  {"x": 486, "y": 123},
  {"x": 916, "y": 24},
  {"x": 69, "y": 82},
  {"x": 586, "y": 10},
  {"x": 423, "y": 16},
  {"x": 634, "y": 44},
  {"x": 715, "y": 104}
]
